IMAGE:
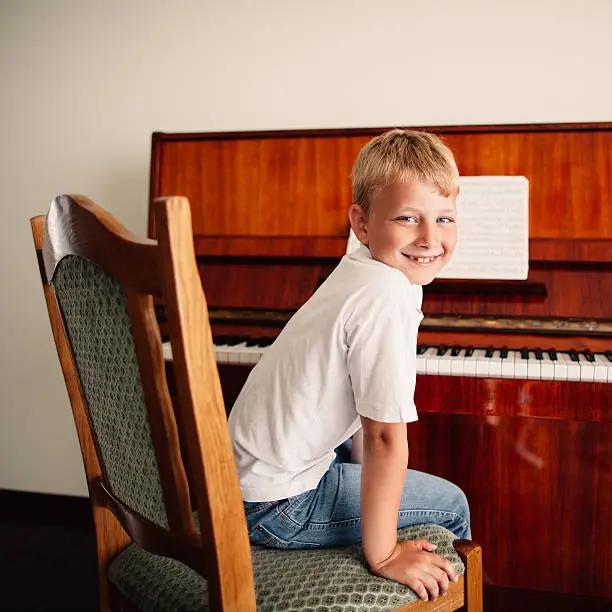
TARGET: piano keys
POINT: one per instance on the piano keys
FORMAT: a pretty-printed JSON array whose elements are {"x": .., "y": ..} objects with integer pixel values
[{"x": 489, "y": 362}]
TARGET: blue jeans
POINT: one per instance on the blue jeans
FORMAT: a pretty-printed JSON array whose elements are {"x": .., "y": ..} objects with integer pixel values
[{"x": 330, "y": 514}]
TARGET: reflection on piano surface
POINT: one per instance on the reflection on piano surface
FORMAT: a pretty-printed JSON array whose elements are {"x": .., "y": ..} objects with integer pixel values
[{"x": 514, "y": 394}]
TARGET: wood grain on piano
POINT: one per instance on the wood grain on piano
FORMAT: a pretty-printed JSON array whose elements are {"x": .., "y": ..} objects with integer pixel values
[{"x": 534, "y": 457}]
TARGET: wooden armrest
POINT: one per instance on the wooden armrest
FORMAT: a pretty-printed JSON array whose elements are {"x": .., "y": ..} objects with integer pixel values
[{"x": 471, "y": 555}]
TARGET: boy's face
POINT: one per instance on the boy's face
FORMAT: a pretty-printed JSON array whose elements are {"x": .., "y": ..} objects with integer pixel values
[{"x": 411, "y": 227}]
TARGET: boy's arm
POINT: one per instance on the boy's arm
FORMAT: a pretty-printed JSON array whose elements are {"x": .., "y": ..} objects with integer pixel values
[
  {"x": 385, "y": 447},
  {"x": 385, "y": 453}
]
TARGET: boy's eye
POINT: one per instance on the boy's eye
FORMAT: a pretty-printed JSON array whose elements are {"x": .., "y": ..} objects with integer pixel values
[
  {"x": 446, "y": 220},
  {"x": 408, "y": 219}
]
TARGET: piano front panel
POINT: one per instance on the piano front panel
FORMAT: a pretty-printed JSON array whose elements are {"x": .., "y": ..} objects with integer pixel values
[
  {"x": 283, "y": 186},
  {"x": 260, "y": 284},
  {"x": 288, "y": 284},
  {"x": 540, "y": 489}
]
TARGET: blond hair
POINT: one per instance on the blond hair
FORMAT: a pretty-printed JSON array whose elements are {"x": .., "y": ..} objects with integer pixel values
[{"x": 402, "y": 156}]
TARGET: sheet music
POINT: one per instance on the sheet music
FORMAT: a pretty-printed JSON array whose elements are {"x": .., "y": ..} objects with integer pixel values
[{"x": 493, "y": 229}]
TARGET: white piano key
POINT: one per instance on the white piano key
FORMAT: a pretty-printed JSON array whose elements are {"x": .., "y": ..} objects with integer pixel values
[
  {"x": 445, "y": 363},
  {"x": 547, "y": 367},
  {"x": 431, "y": 365},
  {"x": 469, "y": 365},
  {"x": 602, "y": 368},
  {"x": 507, "y": 365},
  {"x": 482, "y": 363},
  {"x": 495, "y": 365},
  {"x": 250, "y": 354},
  {"x": 534, "y": 367},
  {"x": 520, "y": 366},
  {"x": 235, "y": 352},
  {"x": 573, "y": 368},
  {"x": 587, "y": 369},
  {"x": 222, "y": 353},
  {"x": 167, "y": 351},
  {"x": 457, "y": 364},
  {"x": 421, "y": 362},
  {"x": 560, "y": 366}
]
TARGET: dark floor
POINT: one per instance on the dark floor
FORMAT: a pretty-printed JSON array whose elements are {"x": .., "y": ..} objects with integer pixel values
[
  {"x": 48, "y": 561},
  {"x": 47, "y": 553}
]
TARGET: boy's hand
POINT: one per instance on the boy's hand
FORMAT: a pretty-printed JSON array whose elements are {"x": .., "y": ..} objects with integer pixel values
[{"x": 413, "y": 564}]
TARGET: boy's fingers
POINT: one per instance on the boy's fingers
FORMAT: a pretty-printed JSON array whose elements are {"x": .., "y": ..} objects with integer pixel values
[
  {"x": 425, "y": 545},
  {"x": 418, "y": 587},
  {"x": 431, "y": 584},
  {"x": 442, "y": 578},
  {"x": 446, "y": 565}
]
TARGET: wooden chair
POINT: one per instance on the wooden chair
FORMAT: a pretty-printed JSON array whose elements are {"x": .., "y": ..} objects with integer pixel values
[{"x": 153, "y": 552}]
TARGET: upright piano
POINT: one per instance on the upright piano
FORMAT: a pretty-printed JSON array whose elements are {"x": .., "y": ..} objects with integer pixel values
[{"x": 515, "y": 377}]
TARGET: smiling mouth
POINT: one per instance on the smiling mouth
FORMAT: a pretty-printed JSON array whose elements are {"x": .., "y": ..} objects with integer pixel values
[{"x": 423, "y": 260}]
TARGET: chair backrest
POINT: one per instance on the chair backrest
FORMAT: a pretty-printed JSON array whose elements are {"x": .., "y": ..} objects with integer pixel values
[{"x": 99, "y": 281}]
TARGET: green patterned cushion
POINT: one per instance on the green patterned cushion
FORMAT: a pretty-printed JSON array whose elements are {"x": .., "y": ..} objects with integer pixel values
[
  {"x": 97, "y": 322},
  {"x": 330, "y": 580}
]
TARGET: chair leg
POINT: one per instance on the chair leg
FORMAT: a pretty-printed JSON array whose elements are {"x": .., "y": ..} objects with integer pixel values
[
  {"x": 111, "y": 539},
  {"x": 471, "y": 555}
]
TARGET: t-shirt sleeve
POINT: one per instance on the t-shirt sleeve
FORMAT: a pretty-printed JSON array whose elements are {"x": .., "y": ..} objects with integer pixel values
[{"x": 381, "y": 337}]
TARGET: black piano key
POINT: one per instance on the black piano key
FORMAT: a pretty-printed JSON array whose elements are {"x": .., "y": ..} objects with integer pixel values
[
  {"x": 538, "y": 354},
  {"x": 589, "y": 355},
  {"x": 455, "y": 350},
  {"x": 469, "y": 351},
  {"x": 552, "y": 353},
  {"x": 608, "y": 354},
  {"x": 265, "y": 341},
  {"x": 230, "y": 339},
  {"x": 421, "y": 348},
  {"x": 503, "y": 352},
  {"x": 220, "y": 340},
  {"x": 442, "y": 350},
  {"x": 573, "y": 355},
  {"x": 253, "y": 341},
  {"x": 489, "y": 352},
  {"x": 524, "y": 353},
  {"x": 234, "y": 340}
]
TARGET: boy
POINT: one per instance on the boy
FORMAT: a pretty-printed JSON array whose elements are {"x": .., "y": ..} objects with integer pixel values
[{"x": 347, "y": 360}]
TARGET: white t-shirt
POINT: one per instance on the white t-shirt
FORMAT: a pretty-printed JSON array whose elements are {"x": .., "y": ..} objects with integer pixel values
[{"x": 349, "y": 351}]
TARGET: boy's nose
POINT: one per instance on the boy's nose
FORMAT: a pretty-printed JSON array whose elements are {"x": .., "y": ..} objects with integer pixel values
[{"x": 427, "y": 235}]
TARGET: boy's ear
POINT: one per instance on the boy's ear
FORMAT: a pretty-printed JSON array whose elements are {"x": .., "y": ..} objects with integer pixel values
[{"x": 359, "y": 223}]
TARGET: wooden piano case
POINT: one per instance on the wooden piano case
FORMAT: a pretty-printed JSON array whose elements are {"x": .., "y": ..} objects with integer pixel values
[{"x": 534, "y": 457}]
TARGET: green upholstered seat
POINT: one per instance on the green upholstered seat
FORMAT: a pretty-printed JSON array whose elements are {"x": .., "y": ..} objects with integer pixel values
[{"x": 317, "y": 580}]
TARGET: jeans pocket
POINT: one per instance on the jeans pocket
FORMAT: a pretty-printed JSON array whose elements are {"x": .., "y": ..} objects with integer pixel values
[
  {"x": 262, "y": 537},
  {"x": 298, "y": 507}
]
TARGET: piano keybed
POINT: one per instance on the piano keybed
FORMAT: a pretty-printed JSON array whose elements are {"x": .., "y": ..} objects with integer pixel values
[{"x": 466, "y": 361}]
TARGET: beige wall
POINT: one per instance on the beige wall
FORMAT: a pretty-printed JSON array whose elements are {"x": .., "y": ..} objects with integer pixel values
[{"x": 84, "y": 83}]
